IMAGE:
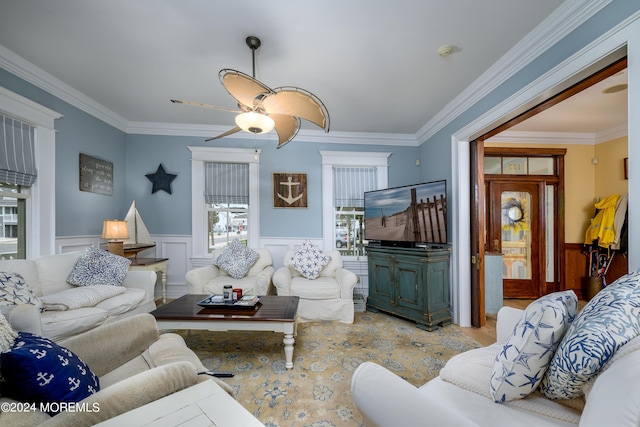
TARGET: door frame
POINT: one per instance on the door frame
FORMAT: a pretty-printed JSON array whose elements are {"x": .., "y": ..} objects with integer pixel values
[{"x": 623, "y": 40}]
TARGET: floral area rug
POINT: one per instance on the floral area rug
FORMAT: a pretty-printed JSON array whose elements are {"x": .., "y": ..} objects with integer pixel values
[{"x": 316, "y": 392}]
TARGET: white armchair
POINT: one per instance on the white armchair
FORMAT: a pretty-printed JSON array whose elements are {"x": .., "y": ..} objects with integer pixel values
[
  {"x": 211, "y": 280},
  {"x": 329, "y": 297}
]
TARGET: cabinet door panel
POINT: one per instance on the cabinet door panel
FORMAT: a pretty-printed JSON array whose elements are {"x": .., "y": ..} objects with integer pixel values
[{"x": 410, "y": 284}]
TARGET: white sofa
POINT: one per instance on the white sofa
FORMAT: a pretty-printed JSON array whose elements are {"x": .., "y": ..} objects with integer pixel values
[
  {"x": 135, "y": 363},
  {"x": 46, "y": 277},
  {"x": 385, "y": 399}
]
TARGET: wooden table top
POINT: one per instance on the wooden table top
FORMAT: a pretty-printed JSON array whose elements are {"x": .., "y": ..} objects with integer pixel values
[{"x": 269, "y": 308}]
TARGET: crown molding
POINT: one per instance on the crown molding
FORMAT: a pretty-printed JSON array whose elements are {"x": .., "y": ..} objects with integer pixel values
[
  {"x": 45, "y": 81},
  {"x": 317, "y": 136},
  {"x": 561, "y": 138},
  {"x": 567, "y": 17},
  {"x": 613, "y": 133}
]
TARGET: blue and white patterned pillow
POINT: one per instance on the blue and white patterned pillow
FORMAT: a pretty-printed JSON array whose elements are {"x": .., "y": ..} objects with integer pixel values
[
  {"x": 236, "y": 259},
  {"x": 309, "y": 260},
  {"x": 14, "y": 291},
  {"x": 98, "y": 267},
  {"x": 525, "y": 357},
  {"x": 607, "y": 322},
  {"x": 37, "y": 369}
]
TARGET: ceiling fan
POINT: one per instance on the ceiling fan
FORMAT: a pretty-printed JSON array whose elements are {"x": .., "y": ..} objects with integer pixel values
[{"x": 262, "y": 109}]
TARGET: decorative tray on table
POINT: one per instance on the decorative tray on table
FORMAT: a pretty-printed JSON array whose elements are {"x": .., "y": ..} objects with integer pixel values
[{"x": 217, "y": 301}]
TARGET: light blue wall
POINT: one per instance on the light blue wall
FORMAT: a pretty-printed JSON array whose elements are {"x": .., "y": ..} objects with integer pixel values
[
  {"x": 171, "y": 214},
  {"x": 78, "y": 212}
]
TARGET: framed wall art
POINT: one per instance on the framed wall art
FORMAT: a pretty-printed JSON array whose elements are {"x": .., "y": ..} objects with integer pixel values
[
  {"x": 96, "y": 175},
  {"x": 289, "y": 190}
]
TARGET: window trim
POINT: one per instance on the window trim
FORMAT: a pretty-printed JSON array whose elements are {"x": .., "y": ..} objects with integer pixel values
[
  {"x": 201, "y": 155},
  {"x": 379, "y": 160},
  {"x": 41, "y": 206}
]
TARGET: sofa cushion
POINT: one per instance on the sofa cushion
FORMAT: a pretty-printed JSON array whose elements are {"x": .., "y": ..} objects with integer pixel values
[
  {"x": 262, "y": 262},
  {"x": 309, "y": 260},
  {"x": 98, "y": 267},
  {"x": 613, "y": 400},
  {"x": 216, "y": 285},
  {"x": 167, "y": 349},
  {"x": 86, "y": 296},
  {"x": 61, "y": 324},
  {"x": 53, "y": 271},
  {"x": 607, "y": 322},
  {"x": 123, "y": 302},
  {"x": 236, "y": 259},
  {"x": 39, "y": 370},
  {"x": 323, "y": 288},
  {"x": 14, "y": 290},
  {"x": 524, "y": 358}
]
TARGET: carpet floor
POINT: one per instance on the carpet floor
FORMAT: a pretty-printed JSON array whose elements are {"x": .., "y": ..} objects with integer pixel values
[{"x": 316, "y": 392}]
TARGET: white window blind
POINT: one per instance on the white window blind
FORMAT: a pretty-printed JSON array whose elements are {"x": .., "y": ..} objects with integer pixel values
[
  {"x": 17, "y": 156},
  {"x": 350, "y": 184},
  {"x": 227, "y": 183}
]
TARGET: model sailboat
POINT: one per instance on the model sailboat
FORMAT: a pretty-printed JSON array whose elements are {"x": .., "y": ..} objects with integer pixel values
[{"x": 139, "y": 237}]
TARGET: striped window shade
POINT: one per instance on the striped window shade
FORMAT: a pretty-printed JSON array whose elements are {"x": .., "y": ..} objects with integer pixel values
[
  {"x": 227, "y": 183},
  {"x": 350, "y": 183},
  {"x": 17, "y": 157}
]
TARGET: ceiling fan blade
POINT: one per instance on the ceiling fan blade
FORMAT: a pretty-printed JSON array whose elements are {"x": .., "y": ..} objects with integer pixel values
[
  {"x": 242, "y": 87},
  {"x": 298, "y": 102},
  {"x": 200, "y": 104},
  {"x": 227, "y": 133},
  {"x": 286, "y": 126}
]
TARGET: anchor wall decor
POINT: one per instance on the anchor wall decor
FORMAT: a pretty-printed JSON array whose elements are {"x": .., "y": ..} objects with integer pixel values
[{"x": 289, "y": 190}]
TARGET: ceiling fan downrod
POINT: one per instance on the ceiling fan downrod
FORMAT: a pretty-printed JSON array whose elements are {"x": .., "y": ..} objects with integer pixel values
[{"x": 254, "y": 43}]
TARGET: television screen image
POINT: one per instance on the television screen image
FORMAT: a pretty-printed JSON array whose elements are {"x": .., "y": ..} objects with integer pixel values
[{"x": 412, "y": 213}]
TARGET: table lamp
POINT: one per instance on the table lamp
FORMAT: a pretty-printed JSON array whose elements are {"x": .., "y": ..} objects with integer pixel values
[{"x": 115, "y": 231}]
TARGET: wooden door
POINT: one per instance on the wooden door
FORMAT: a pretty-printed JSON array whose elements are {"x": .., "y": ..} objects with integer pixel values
[
  {"x": 515, "y": 225},
  {"x": 477, "y": 228}
]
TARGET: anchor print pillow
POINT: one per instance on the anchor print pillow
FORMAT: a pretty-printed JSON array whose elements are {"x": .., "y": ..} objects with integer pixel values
[{"x": 40, "y": 371}]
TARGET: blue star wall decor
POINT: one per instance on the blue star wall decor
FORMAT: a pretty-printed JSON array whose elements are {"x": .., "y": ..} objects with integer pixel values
[{"x": 161, "y": 180}]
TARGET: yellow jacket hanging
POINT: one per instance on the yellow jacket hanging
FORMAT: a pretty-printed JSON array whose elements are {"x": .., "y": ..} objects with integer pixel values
[{"x": 601, "y": 227}]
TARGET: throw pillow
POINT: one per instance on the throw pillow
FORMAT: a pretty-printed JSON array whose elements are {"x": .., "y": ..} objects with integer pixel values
[
  {"x": 520, "y": 366},
  {"x": 14, "y": 291},
  {"x": 7, "y": 335},
  {"x": 98, "y": 267},
  {"x": 309, "y": 260},
  {"x": 236, "y": 259},
  {"x": 607, "y": 322},
  {"x": 39, "y": 370}
]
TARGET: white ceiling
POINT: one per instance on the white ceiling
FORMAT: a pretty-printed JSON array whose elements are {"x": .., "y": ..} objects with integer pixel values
[{"x": 374, "y": 64}]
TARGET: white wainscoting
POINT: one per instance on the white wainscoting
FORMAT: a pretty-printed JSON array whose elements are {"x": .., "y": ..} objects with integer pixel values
[{"x": 178, "y": 249}]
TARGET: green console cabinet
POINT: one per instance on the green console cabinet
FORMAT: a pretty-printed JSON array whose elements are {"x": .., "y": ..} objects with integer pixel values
[{"x": 412, "y": 283}]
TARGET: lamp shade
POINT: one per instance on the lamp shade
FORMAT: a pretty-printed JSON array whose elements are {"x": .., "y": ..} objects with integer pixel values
[
  {"x": 255, "y": 122},
  {"x": 114, "y": 229}
]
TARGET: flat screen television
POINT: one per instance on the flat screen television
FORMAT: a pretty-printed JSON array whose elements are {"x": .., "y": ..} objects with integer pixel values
[{"x": 409, "y": 216}]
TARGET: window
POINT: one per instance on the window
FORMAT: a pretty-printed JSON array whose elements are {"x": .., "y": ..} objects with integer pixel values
[
  {"x": 36, "y": 204},
  {"x": 345, "y": 178},
  {"x": 227, "y": 202},
  {"x": 349, "y": 186},
  {"x": 12, "y": 222},
  {"x": 224, "y": 197}
]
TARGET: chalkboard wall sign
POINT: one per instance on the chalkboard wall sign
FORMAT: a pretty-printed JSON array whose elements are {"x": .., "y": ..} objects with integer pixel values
[{"x": 96, "y": 175}]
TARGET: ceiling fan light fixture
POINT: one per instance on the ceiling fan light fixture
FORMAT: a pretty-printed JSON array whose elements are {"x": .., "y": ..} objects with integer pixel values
[{"x": 255, "y": 123}]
